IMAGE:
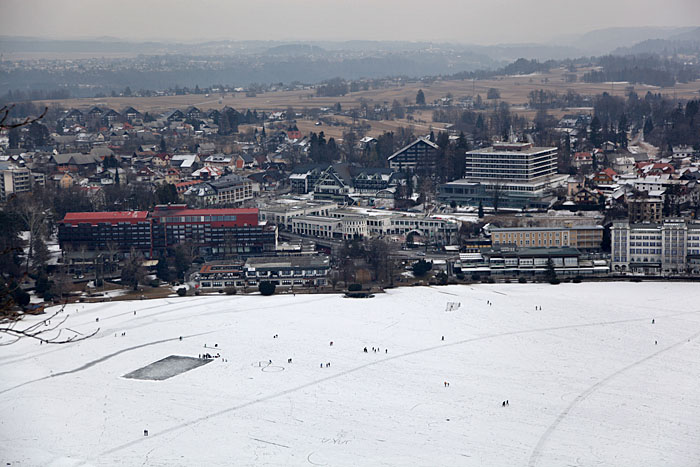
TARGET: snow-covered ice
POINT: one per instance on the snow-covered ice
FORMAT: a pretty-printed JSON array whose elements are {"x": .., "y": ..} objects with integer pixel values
[{"x": 589, "y": 379}]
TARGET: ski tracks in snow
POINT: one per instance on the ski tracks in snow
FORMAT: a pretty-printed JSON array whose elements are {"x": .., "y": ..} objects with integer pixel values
[
  {"x": 537, "y": 452},
  {"x": 401, "y": 356}
]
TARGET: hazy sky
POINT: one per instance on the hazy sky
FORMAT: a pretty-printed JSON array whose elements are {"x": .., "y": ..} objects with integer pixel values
[{"x": 466, "y": 21}]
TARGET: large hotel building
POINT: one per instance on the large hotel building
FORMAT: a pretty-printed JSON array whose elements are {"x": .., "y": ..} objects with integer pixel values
[
  {"x": 215, "y": 233},
  {"x": 507, "y": 175}
]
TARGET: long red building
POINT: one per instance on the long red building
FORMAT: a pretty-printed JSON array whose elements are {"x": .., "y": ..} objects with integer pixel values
[{"x": 216, "y": 233}]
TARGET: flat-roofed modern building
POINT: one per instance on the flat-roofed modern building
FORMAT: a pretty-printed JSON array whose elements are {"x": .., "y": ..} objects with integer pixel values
[
  {"x": 283, "y": 271},
  {"x": 529, "y": 262},
  {"x": 215, "y": 233},
  {"x": 645, "y": 210},
  {"x": 508, "y": 175},
  {"x": 511, "y": 162},
  {"x": 14, "y": 179},
  {"x": 282, "y": 211},
  {"x": 581, "y": 237},
  {"x": 670, "y": 247}
]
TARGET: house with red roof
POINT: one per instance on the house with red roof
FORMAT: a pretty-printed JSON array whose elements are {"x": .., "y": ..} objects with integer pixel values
[{"x": 605, "y": 177}]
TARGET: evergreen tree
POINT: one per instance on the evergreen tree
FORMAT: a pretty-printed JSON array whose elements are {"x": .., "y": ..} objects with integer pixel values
[
  {"x": 595, "y": 135},
  {"x": 481, "y": 210},
  {"x": 551, "y": 274},
  {"x": 167, "y": 194},
  {"x": 163, "y": 146},
  {"x": 420, "y": 98},
  {"x": 622, "y": 127}
]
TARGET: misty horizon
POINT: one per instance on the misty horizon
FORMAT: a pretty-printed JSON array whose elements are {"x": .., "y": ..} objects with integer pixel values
[{"x": 467, "y": 23}]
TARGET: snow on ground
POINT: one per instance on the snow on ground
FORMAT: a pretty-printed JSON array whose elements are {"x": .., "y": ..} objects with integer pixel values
[{"x": 586, "y": 383}]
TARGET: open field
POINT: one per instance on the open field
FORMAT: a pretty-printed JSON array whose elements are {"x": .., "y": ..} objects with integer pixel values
[
  {"x": 514, "y": 90},
  {"x": 588, "y": 377}
]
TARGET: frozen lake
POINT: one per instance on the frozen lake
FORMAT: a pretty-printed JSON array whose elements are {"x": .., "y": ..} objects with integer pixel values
[{"x": 589, "y": 379}]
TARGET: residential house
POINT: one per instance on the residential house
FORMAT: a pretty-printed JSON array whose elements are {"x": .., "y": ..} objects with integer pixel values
[
  {"x": 583, "y": 160},
  {"x": 171, "y": 175},
  {"x": 182, "y": 187},
  {"x": 208, "y": 172},
  {"x": 605, "y": 177},
  {"x": 245, "y": 161}
]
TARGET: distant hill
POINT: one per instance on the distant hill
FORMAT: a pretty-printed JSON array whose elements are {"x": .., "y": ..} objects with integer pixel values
[
  {"x": 686, "y": 42},
  {"x": 604, "y": 41}
]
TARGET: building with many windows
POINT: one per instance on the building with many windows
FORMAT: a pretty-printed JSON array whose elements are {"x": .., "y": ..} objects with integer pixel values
[
  {"x": 229, "y": 190},
  {"x": 645, "y": 209},
  {"x": 213, "y": 233},
  {"x": 14, "y": 179},
  {"x": 507, "y": 175},
  {"x": 283, "y": 271},
  {"x": 420, "y": 154},
  {"x": 671, "y": 247},
  {"x": 282, "y": 211},
  {"x": 584, "y": 237},
  {"x": 529, "y": 262}
]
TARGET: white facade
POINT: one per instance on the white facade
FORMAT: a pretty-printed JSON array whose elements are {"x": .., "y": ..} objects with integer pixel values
[
  {"x": 284, "y": 211},
  {"x": 14, "y": 179},
  {"x": 670, "y": 247},
  {"x": 514, "y": 162}
]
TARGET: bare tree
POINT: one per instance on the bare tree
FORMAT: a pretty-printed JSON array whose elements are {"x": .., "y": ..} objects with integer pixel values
[
  {"x": 496, "y": 196},
  {"x": 5, "y": 115},
  {"x": 29, "y": 210},
  {"x": 44, "y": 331}
]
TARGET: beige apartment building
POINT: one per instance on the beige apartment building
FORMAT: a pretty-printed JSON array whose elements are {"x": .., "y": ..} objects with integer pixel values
[{"x": 588, "y": 237}]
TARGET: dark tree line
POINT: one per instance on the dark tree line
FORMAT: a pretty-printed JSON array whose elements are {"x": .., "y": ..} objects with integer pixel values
[{"x": 646, "y": 69}]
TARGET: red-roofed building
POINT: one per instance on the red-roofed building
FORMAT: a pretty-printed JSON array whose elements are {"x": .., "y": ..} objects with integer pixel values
[
  {"x": 605, "y": 177},
  {"x": 216, "y": 233},
  {"x": 94, "y": 218},
  {"x": 654, "y": 168},
  {"x": 182, "y": 187},
  {"x": 180, "y": 214},
  {"x": 583, "y": 159}
]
